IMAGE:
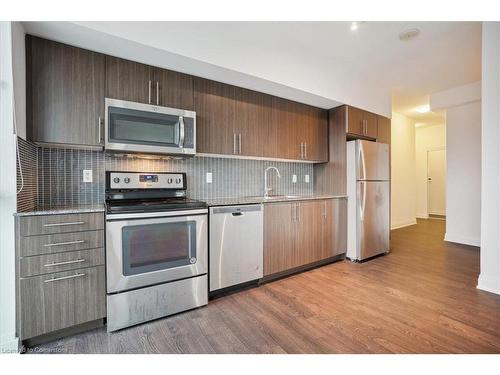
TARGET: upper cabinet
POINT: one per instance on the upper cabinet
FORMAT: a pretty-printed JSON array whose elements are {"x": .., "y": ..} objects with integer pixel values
[
  {"x": 67, "y": 87},
  {"x": 361, "y": 123},
  {"x": 135, "y": 82},
  {"x": 236, "y": 121},
  {"x": 65, "y": 94}
]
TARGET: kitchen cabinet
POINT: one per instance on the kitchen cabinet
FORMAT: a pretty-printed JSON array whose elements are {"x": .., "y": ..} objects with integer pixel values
[
  {"x": 65, "y": 94},
  {"x": 135, "y": 82},
  {"x": 361, "y": 123},
  {"x": 304, "y": 232},
  {"x": 60, "y": 272},
  {"x": 384, "y": 130}
]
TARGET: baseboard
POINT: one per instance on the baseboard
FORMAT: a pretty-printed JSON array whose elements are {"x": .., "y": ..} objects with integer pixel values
[
  {"x": 9, "y": 344},
  {"x": 489, "y": 284},
  {"x": 422, "y": 216},
  {"x": 462, "y": 240},
  {"x": 403, "y": 224}
]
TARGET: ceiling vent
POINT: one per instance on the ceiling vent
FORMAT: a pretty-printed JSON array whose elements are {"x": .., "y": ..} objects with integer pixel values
[{"x": 408, "y": 34}]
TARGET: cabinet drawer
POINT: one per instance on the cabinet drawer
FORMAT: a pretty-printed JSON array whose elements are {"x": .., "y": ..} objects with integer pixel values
[
  {"x": 43, "y": 264},
  {"x": 61, "y": 300},
  {"x": 51, "y": 224},
  {"x": 58, "y": 243}
]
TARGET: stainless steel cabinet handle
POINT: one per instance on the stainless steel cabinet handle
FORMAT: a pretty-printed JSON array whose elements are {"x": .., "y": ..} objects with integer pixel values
[
  {"x": 157, "y": 93},
  {"x": 149, "y": 92},
  {"x": 99, "y": 130},
  {"x": 234, "y": 143},
  {"x": 62, "y": 224},
  {"x": 305, "y": 150},
  {"x": 294, "y": 212},
  {"x": 301, "y": 150},
  {"x": 64, "y": 278},
  {"x": 62, "y": 263},
  {"x": 239, "y": 143},
  {"x": 63, "y": 243},
  {"x": 324, "y": 209},
  {"x": 298, "y": 211}
]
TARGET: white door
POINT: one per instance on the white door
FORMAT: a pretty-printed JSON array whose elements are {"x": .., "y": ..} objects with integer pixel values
[{"x": 436, "y": 181}]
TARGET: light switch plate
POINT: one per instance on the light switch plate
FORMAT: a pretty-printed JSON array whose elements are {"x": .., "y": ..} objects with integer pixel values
[
  {"x": 87, "y": 175},
  {"x": 306, "y": 178},
  {"x": 209, "y": 177},
  {"x": 294, "y": 178}
]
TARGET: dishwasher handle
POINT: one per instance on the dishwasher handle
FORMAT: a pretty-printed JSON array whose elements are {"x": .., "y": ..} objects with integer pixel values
[{"x": 238, "y": 210}]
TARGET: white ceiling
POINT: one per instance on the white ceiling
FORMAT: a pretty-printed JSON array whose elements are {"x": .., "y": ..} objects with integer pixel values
[{"x": 320, "y": 63}]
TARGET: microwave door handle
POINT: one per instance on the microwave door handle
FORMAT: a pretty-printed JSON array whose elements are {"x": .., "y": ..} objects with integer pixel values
[{"x": 181, "y": 131}]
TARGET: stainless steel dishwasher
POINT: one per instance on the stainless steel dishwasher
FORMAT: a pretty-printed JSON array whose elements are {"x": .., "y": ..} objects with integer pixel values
[{"x": 236, "y": 245}]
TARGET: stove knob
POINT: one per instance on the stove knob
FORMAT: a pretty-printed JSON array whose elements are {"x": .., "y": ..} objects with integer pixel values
[
  {"x": 169, "y": 181},
  {"x": 178, "y": 180},
  {"x": 126, "y": 180},
  {"x": 116, "y": 180}
]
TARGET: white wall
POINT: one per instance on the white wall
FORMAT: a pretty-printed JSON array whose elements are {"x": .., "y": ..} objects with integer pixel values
[
  {"x": 463, "y": 161},
  {"x": 427, "y": 138},
  {"x": 403, "y": 191},
  {"x": 463, "y": 166},
  {"x": 489, "y": 279},
  {"x": 19, "y": 71},
  {"x": 8, "y": 341}
]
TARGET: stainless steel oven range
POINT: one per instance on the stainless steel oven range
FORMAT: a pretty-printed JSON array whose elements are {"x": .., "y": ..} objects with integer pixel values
[{"x": 156, "y": 248}]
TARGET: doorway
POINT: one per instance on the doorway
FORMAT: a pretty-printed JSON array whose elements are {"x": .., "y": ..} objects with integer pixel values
[{"x": 436, "y": 183}]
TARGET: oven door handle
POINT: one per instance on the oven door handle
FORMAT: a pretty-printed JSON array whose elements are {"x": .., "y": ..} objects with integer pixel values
[
  {"x": 147, "y": 215},
  {"x": 181, "y": 131}
]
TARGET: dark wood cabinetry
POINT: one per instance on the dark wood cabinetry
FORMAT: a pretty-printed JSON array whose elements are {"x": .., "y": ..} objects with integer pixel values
[
  {"x": 67, "y": 87},
  {"x": 361, "y": 123},
  {"x": 301, "y": 233},
  {"x": 65, "y": 93},
  {"x": 135, "y": 82}
]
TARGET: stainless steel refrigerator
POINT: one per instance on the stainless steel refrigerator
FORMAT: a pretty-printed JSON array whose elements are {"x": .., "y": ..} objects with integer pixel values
[{"x": 368, "y": 188}]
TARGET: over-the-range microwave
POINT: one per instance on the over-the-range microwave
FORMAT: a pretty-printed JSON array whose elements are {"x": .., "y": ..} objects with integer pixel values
[{"x": 145, "y": 128}]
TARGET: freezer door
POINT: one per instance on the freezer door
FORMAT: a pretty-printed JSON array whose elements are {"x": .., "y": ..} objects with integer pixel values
[
  {"x": 372, "y": 218},
  {"x": 372, "y": 159}
]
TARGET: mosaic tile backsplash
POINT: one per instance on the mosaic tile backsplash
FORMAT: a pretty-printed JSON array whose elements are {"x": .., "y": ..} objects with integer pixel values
[{"x": 59, "y": 176}]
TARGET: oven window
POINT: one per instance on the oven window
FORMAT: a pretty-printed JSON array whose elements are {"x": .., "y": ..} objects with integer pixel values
[
  {"x": 141, "y": 127},
  {"x": 153, "y": 247}
]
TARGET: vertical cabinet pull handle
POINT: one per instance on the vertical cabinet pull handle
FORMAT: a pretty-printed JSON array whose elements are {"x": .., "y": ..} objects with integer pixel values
[
  {"x": 298, "y": 211},
  {"x": 305, "y": 150},
  {"x": 324, "y": 209},
  {"x": 301, "y": 150},
  {"x": 149, "y": 92},
  {"x": 239, "y": 143},
  {"x": 234, "y": 143},
  {"x": 157, "y": 93},
  {"x": 99, "y": 130}
]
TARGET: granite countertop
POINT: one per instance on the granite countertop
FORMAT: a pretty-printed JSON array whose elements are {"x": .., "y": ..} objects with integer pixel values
[
  {"x": 59, "y": 210},
  {"x": 258, "y": 200}
]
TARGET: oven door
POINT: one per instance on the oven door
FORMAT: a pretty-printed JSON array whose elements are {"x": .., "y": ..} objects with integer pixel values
[
  {"x": 142, "y": 251},
  {"x": 138, "y": 127}
]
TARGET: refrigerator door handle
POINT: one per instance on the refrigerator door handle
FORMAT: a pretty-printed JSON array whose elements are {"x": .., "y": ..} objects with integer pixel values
[
  {"x": 361, "y": 162},
  {"x": 362, "y": 203}
]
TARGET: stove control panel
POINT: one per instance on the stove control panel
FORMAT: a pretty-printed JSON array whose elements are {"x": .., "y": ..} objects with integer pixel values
[{"x": 139, "y": 180}]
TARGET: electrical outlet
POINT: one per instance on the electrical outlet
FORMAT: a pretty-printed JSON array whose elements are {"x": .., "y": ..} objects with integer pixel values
[
  {"x": 294, "y": 178},
  {"x": 87, "y": 175},
  {"x": 306, "y": 178},
  {"x": 209, "y": 177}
]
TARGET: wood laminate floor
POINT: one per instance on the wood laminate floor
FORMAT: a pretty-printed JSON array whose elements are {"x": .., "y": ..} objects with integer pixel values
[{"x": 421, "y": 298}]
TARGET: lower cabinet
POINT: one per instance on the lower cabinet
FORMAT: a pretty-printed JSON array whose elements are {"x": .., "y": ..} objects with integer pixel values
[
  {"x": 61, "y": 300},
  {"x": 304, "y": 232}
]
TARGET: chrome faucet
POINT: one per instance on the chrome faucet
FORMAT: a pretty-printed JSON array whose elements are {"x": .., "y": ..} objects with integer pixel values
[{"x": 266, "y": 188}]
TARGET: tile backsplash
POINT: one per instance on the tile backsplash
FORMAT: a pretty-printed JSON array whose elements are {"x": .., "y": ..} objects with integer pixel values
[{"x": 57, "y": 175}]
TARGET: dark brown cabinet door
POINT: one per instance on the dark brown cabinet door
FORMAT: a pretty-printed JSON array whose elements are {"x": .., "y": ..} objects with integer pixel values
[
  {"x": 172, "y": 89},
  {"x": 129, "y": 80},
  {"x": 279, "y": 237},
  {"x": 384, "y": 130},
  {"x": 362, "y": 123},
  {"x": 309, "y": 232},
  {"x": 215, "y": 108},
  {"x": 65, "y": 93},
  {"x": 334, "y": 227},
  {"x": 315, "y": 130}
]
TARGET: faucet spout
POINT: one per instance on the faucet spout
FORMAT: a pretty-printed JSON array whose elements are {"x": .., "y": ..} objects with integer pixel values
[{"x": 266, "y": 188}]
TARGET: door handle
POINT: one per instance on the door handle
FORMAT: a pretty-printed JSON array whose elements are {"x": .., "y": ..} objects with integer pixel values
[
  {"x": 64, "y": 278},
  {"x": 63, "y": 243},
  {"x": 305, "y": 150},
  {"x": 99, "y": 130},
  {"x": 234, "y": 143},
  {"x": 149, "y": 92},
  {"x": 157, "y": 93},
  {"x": 62, "y": 224},
  {"x": 181, "y": 131},
  {"x": 239, "y": 143},
  {"x": 62, "y": 263},
  {"x": 237, "y": 214}
]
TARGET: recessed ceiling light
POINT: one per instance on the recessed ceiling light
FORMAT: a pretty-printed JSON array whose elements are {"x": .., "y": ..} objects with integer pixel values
[
  {"x": 354, "y": 26},
  {"x": 408, "y": 34},
  {"x": 423, "y": 109}
]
